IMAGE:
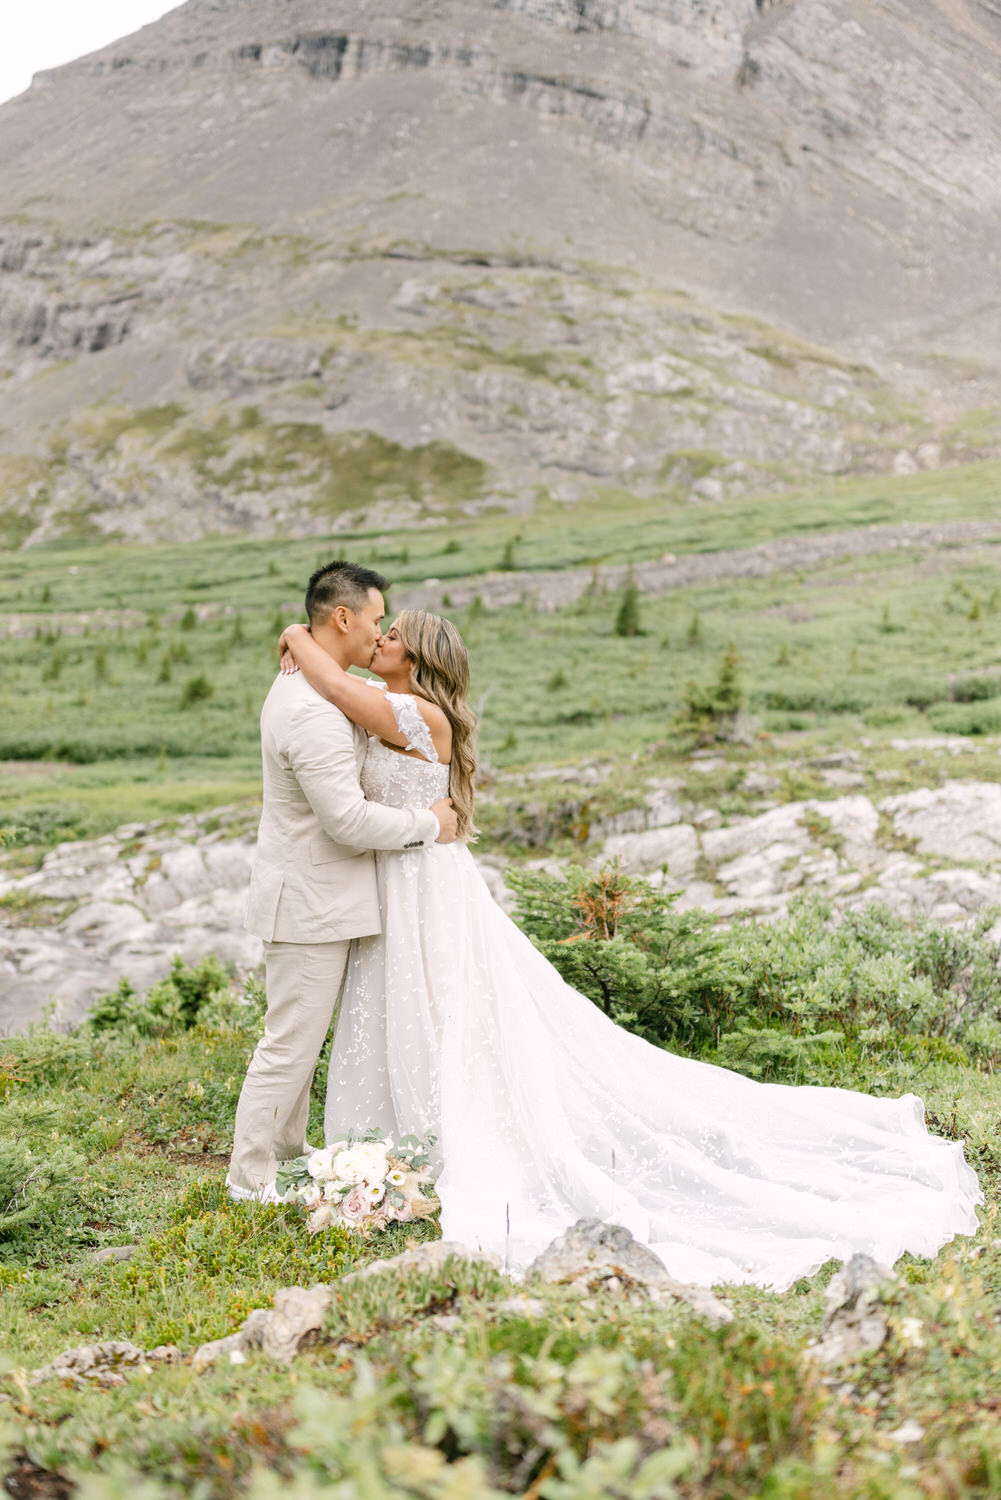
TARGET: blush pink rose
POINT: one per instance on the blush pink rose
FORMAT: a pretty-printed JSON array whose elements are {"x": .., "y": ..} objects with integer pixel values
[{"x": 355, "y": 1206}]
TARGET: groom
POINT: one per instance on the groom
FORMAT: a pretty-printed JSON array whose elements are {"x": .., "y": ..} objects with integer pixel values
[{"x": 313, "y": 886}]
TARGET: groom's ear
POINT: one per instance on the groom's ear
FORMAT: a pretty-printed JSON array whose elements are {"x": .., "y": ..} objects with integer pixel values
[{"x": 340, "y": 618}]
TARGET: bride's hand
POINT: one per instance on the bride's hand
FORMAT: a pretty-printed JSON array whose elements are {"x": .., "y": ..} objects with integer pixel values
[{"x": 286, "y": 647}]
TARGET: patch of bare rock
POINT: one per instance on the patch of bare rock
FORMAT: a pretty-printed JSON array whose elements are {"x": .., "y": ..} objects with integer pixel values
[
  {"x": 202, "y": 263},
  {"x": 592, "y": 1255},
  {"x": 935, "y": 853},
  {"x": 855, "y": 1321},
  {"x": 104, "y": 1364},
  {"x": 123, "y": 905},
  {"x": 548, "y": 590}
]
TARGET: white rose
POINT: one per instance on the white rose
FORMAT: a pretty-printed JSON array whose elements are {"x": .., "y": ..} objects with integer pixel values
[
  {"x": 320, "y": 1164},
  {"x": 372, "y": 1157},
  {"x": 348, "y": 1165}
]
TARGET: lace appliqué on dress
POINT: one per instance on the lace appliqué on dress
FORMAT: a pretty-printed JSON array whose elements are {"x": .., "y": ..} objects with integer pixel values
[{"x": 410, "y": 723}]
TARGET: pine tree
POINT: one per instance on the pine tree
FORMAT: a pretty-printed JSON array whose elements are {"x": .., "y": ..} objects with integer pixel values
[
  {"x": 709, "y": 714},
  {"x": 727, "y": 696},
  {"x": 627, "y": 619}
]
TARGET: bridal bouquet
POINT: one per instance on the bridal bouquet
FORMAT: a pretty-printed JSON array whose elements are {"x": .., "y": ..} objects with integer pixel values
[{"x": 363, "y": 1181}]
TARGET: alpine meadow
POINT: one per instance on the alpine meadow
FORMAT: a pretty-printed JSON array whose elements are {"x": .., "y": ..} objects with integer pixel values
[{"x": 654, "y": 346}]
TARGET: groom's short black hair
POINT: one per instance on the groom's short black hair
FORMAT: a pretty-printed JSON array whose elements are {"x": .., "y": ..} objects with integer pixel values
[{"x": 340, "y": 582}]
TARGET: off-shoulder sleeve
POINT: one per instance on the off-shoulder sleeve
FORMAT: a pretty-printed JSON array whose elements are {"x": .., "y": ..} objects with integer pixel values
[{"x": 410, "y": 723}]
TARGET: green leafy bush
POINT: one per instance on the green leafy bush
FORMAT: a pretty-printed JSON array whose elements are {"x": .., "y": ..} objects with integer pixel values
[
  {"x": 981, "y": 717},
  {"x": 197, "y": 689},
  {"x": 661, "y": 973},
  {"x": 44, "y": 1057},
  {"x": 35, "y": 1188},
  {"x": 202, "y": 993},
  {"x": 976, "y": 688},
  {"x": 796, "y": 998},
  {"x": 627, "y": 616}
]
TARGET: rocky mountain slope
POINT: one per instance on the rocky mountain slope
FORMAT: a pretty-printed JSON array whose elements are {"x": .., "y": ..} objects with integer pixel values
[{"x": 286, "y": 262}]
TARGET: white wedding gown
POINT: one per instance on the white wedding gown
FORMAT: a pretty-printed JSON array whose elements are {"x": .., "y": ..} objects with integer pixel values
[{"x": 546, "y": 1112}]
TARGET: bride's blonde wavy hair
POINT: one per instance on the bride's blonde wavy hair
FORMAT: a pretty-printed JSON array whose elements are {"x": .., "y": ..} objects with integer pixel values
[{"x": 439, "y": 672}]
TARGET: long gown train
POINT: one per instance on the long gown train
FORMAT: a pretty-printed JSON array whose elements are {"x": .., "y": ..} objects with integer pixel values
[{"x": 545, "y": 1111}]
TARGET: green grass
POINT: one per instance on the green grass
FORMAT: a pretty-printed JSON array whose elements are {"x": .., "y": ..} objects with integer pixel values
[{"x": 113, "y": 710}]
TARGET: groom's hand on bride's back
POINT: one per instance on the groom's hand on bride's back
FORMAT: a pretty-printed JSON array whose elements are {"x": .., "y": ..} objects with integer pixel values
[{"x": 448, "y": 823}]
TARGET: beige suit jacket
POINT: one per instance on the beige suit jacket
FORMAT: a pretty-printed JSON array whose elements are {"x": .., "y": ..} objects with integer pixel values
[{"x": 313, "y": 879}]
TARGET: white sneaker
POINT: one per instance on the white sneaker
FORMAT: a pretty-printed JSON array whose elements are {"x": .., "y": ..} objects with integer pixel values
[{"x": 266, "y": 1194}]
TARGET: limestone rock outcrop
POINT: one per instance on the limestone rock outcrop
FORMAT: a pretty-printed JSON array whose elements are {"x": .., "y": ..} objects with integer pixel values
[
  {"x": 595, "y": 1255},
  {"x": 123, "y": 905},
  {"x": 855, "y": 1321}
]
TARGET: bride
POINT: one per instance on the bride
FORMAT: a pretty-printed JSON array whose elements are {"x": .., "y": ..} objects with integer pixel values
[{"x": 545, "y": 1111}]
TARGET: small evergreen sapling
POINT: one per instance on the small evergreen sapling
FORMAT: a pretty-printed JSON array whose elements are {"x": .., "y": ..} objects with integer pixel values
[
  {"x": 710, "y": 714},
  {"x": 196, "y": 690},
  {"x": 627, "y": 618}
]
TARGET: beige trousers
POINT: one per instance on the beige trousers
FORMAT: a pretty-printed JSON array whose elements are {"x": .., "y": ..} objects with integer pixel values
[{"x": 303, "y": 983}]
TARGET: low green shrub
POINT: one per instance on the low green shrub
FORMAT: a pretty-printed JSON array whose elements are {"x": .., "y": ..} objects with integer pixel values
[
  {"x": 790, "y": 999},
  {"x": 976, "y": 688},
  {"x": 980, "y": 717},
  {"x": 35, "y": 1188},
  {"x": 709, "y": 713},
  {"x": 201, "y": 994},
  {"x": 196, "y": 690},
  {"x": 95, "y": 743},
  {"x": 797, "y": 697}
]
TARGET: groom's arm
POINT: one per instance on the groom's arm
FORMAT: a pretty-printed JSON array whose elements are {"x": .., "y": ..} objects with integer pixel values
[{"x": 321, "y": 754}]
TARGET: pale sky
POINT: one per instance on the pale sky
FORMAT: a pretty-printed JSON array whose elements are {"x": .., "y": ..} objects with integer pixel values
[{"x": 37, "y": 34}]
